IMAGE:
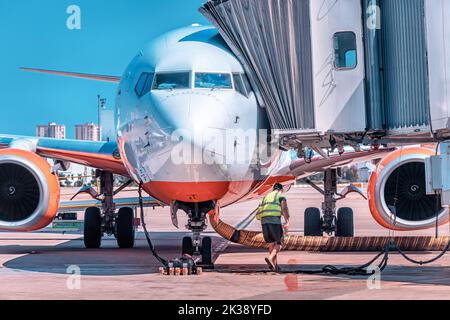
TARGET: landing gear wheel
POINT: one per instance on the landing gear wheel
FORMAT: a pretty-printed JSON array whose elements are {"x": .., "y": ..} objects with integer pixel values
[
  {"x": 92, "y": 228},
  {"x": 188, "y": 247},
  {"x": 345, "y": 225},
  {"x": 207, "y": 252},
  {"x": 125, "y": 228},
  {"x": 313, "y": 223}
]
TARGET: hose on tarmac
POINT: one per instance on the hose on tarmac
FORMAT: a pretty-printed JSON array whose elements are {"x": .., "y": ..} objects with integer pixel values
[
  {"x": 255, "y": 239},
  {"x": 383, "y": 245}
]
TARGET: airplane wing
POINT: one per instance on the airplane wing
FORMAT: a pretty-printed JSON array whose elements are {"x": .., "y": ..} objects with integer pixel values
[
  {"x": 290, "y": 170},
  {"x": 100, "y": 155},
  {"x": 96, "y": 77},
  {"x": 79, "y": 206},
  {"x": 300, "y": 168}
]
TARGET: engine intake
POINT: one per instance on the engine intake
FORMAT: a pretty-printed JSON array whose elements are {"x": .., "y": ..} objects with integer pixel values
[
  {"x": 29, "y": 192},
  {"x": 397, "y": 192}
]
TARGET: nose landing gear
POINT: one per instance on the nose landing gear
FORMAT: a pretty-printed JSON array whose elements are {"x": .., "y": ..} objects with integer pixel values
[
  {"x": 204, "y": 250},
  {"x": 198, "y": 245}
]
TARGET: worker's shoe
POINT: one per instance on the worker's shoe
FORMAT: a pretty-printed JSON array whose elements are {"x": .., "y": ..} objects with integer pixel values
[
  {"x": 270, "y": 264},
  {"x": 277, "y": 266}
]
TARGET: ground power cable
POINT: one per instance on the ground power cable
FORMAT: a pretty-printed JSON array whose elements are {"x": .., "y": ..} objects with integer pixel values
[{"x": 163, "y": 261}]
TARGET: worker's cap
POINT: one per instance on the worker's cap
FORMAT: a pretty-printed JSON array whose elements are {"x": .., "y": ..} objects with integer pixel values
[{"x": 278, "y": 186}]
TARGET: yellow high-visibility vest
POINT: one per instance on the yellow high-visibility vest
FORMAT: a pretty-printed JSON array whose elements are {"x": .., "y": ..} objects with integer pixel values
[{"x": 270, "y": 206}]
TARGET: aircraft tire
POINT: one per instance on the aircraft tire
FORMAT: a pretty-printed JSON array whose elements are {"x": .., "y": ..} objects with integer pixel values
[
  {"x": 188, "y": 247},
  {"x": 92, "y": 228},
  {"x": 345, "y": 224},
  {"x": 207, "y": 251},
  {"x": 313, "y": 223},
  {"x": 125, "y": 231}
]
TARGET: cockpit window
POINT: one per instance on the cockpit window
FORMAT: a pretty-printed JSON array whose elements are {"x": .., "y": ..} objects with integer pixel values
[
  {"x": 213, "y": 80},
  {"x": 170, "y": 81},
  {"x": 144, "y": 84}
]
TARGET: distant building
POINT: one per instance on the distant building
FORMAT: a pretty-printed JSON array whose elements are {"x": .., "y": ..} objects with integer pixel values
[
  {"x": 51, "y": 130},
  {"x": 42, "y": 131},
  {"x": 88, "y": 132}
]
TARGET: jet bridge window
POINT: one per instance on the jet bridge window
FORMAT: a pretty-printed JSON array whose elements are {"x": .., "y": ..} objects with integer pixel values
[
  {"x": 213, "y": 80},
  {"x": 239, "y": 84},
  {"x": 171, "y": 81},
  {"x": 144, "y": 84},
  {"x": 247, "y": 85},
  {"x": 345, "y": 54}
]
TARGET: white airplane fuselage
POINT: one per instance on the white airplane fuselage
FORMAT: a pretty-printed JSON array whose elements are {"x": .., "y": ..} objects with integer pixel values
[{"x": 178, "y": 95}]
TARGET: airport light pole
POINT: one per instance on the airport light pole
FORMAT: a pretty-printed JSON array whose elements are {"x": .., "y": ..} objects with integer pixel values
[{"x": 101, "y": 104}]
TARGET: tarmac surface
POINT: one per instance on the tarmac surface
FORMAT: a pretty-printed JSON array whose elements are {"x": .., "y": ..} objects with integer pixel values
[{"x": 40, "y": 265}]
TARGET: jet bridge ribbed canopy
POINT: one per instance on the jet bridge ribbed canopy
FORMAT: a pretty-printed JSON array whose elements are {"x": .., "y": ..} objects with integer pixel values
[{"x": 272, "y": 40}]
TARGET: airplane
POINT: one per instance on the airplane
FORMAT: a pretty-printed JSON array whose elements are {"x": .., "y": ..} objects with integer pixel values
[{"x": 180, "y": 91}]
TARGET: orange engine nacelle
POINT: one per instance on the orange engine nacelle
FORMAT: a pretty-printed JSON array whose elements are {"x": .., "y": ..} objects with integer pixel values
[
  {"x": 29, "y": 191},
  {"x": 397, "y": 192}
]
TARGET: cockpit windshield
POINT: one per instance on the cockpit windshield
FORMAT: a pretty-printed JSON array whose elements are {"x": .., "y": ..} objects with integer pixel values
[
  {"x": 213, "y": 80},
  {"x": 170, "y": 81}
]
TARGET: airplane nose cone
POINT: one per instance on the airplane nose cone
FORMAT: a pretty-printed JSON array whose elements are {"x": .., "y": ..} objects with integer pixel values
[
  {"x": 193, "y": 112},
  {"x": 166, "y": 149}
]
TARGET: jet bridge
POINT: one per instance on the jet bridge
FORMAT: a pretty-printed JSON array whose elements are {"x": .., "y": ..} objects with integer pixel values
[{"x": 343, "y": 72}]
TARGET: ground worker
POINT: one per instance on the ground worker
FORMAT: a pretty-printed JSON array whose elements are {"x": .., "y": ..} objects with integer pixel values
[{"x": 272, "y": 207}]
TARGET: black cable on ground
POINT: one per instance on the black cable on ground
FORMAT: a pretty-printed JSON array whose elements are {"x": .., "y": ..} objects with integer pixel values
[
  {"x": 362, "y": 270},
  {"x": 404, "y": 255},
  {"x": 329, "y": 269},
  {"x": 147, "y": 235}
]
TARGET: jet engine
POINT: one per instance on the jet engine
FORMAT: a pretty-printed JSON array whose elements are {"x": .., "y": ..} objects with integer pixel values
[
  {"x": 397, "y": 192},
  {"x": 29, "y": 191}
]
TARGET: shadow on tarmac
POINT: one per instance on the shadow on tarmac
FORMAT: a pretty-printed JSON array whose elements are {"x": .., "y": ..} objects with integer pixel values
[
  {"x": 107, "y": 261},
  {"x": 426, "y": 275}
]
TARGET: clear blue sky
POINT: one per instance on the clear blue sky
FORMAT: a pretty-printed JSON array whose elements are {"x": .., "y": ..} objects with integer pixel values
[{"x": 33, "y": 33}]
